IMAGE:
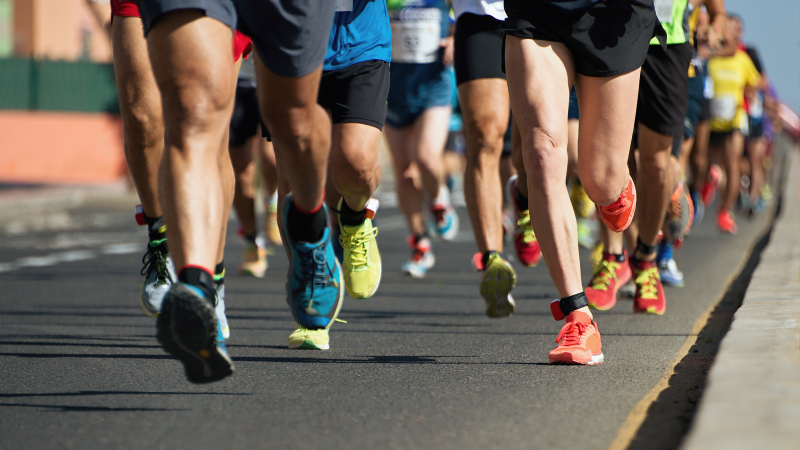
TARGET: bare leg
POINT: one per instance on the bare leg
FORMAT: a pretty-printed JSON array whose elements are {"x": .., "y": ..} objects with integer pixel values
[
  {"x": 756, "y": 154},
  {"x": 733, "y": 148},
  {"x": 354, "y": 158},
  {"x": 244, "y": 195},
  {"x": 572, "y": 149},
  {"x": 191, "y": 57},
  {"x": 655, "y": 184},
  {"x": 698, "y": 160},
  {"x": 485, "y": 110},
  {"x": 409, "y": 193},
  {"x": 140, "y": 106}
]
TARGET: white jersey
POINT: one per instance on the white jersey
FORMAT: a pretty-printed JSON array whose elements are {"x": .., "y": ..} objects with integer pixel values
[{"x": 492, "y": 8}]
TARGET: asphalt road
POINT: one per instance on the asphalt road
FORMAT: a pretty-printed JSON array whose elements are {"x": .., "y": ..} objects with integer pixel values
[{"x": 418, "y": 366}]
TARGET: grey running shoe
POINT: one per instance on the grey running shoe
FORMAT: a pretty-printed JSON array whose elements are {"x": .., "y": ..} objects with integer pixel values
[{"x": 159, "y": 274}]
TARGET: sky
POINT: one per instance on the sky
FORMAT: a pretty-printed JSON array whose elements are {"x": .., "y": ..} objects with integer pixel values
[{"x": 773, "y": 27}]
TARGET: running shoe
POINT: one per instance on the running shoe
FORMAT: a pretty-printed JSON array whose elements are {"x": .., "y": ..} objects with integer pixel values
[
  {"x": 444, "y": 216},
  {"x": 254, "y": 259},
  {"x": 669, "y": 273},
  {"x": 699, "y": 208},
  {"x": 609, "y": 276},
  {"x": 726, "y": 223},
  {"x": 497, "y": 282},
  {"x": 578, "y": 342},
  {"x": 271, "y": 228},
  {"x": 525, "y": 243},
  {"x": 596, "y": 256},
  {"x": 421, "y": 259},
  {"x": 361, "y": 263},
  {"x": 305, "y": 339},
  {"x": 159, "y": 275},
  {"x": 619, "y": 215},
  {"x": 581, "y": 203},
  {"x": 219, "y": 310},
  {"x": 649, "y": 296},
  {"x": 680, "y": 214},
  {"x": 586, "y": 237},
  {"x": 187, "y": 329},
  {"x": 709, "y": 190},
  {"x": 758, "y": 206},
  {"x": 314, "y": 284}
]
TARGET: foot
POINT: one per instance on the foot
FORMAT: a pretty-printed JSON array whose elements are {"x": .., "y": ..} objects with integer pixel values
[
  {"x": 669, "y": 273},
  {"x": 271, "y": 229},
  {"x": 699, "y": 208},
  {"x": 159, "y": 275},
  {"x": 609, "y": 276},
  {"x": 709, "y": 190},
  {"x": 219, "y": 310},
  {"x": 305, "y": 339},
  {"x": 445, "y": 217},
  {"x": 421, "y": 259},
  {"x": 525, "y": 243},
  {"x": 578, "y": 342},
  {"x": 649, "y": 297},
  {"x": 187, "y": 329},
  {"x": 361, "y": 263},
  {"x": 581, "y": 203},
  {"x": 314, "y": 284},
  {"x": 619, "y": 215},
  {"x": 680, "y": 214},
  {"x": 497, "y": 282},
  {"x": 726, "y": 223},
  {"x": 254, "y": 260}
]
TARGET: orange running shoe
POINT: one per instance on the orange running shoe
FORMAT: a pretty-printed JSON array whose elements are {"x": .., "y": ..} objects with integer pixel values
[
  {"x": 649, "y": 297},
  {"x": 618, "y": 215},
  {"x": 609, "y": 276},
  {"x": 726, "y": 223},
  {"x": 578, "y": 342}
]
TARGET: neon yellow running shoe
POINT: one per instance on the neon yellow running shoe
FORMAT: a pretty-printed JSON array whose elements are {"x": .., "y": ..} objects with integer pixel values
[
  {"x": 305, "y": 339},
  {"x": 596, "y": 257},
  {"x": 497, "y": 282},
  {"x": 362, "y": 260},
  {"x": 581, "y": 203},
  {"x": 254, "y": 260}
]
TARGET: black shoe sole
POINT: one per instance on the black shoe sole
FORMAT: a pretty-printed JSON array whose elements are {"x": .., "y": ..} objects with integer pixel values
[{"x": 187, "y": 330}]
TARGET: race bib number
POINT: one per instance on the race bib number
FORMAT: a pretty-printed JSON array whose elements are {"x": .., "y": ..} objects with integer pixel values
[
  {"x": 757, "y": 107},
  {"x": 664, "y": 10},
  {"x": 724, "y": 107},
  {"x": 343, "y": 5},
  {"x": 416, "y": 41}
]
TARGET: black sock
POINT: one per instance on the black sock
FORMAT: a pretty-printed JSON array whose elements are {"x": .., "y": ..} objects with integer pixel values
[
  {"x": 520, "y": 200},
  {"x": 201, "y": 279},
  {"x": 618, "y": 258},
  {"x": 155, "y": 228},
  {"x": 250, "y": 239},
  {"x": 306, "y": 227},
  {"x": 485, "y": 257},
  {"x": 219, "y": 274},
  {"x": 350, "y": 217}
]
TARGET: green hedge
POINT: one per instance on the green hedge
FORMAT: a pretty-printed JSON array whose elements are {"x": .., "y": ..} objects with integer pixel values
[{"x": 83, "y": 86}]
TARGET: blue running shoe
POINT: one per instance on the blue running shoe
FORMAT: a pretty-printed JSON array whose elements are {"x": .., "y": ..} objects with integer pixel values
[
  {"x": 187, "y": 329},
  {"x": 314, "y": 284},
  {"x": 699, "y": 208},
  {"x": 670, "y": 275}
]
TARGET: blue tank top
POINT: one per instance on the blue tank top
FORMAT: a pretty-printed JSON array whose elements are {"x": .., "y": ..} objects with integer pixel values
[{"x": 359, "y": 33}]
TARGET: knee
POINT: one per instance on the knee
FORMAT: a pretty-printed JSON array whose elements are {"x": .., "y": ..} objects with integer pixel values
[
  {"x": 604, "y": 186},
  {"x": 294, "y": 126},
  {"x": 544, "y": 154},
  {"x": 654, "y": 168},
  {"x": 484, "y": 138},
  {"x": 144, "y": 125},
  {"x": 197, "y": 108},
  {"x": 356, "y": 169}
]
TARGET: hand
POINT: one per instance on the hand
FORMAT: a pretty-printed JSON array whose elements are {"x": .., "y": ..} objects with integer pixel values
[{"x": 448, "y": 44}]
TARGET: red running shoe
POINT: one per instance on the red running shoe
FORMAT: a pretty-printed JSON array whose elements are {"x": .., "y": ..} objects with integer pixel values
[
  {"x": 726, "y": 223},
  {"x": 649, "y": 297},
  {"x": 709, "y": 190},
  {"x": 525, "y": 242},
  {"x": 618, "y": 215},
  {"x": 578, "y": 342},
  {"x": 609, "y": 276}
]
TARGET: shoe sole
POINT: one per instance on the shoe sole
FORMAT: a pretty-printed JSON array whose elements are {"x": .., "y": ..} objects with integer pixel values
[
  {"x": 595, "y": 359},
  {"x": 496, "y": 286},
  {"x": 146, "y": 310},
  {"x": 420, "y": 273},
  {"x": 251, "y": 273},
  {"x": 187, "y": 330},
  {"x": 308, "y": 344},
  {"x": 649, "y": 310}
]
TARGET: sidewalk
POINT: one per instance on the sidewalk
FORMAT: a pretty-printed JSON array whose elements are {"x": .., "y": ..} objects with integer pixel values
[{"x": 752, "y": 398}]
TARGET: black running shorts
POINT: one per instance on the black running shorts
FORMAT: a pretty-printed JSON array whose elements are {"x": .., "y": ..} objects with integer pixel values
[
  {"x": 245, "y": 117},
  {"x": 609, "y": 38},
  {"x": 694, "y": 106},
  {"x": 290, "y": 36},
  {"x": 478, "y": 49},
  {"x": 664, "y": 88},
  {"x": 354, "y": 94}
]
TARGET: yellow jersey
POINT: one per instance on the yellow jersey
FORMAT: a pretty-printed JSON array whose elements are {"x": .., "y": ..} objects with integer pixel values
[{"x": 730, "y": 75}]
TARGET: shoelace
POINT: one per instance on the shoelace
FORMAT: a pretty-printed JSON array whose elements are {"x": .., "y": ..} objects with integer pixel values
[
  {"x": 571, "y": 334},
  {"x": 156, "y": 260},
  {"x": 311, "y": 269},
  {"x": 606, "y": 271},
  {"x": 524, "y": 224},
  {"x": 647, "y": 280},
  {"x": 358, "y": 246}
]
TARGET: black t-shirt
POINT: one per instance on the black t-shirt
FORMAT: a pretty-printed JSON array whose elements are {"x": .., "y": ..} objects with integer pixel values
[
  {"x": 753, "y": 54},
  {"x": 571, "y": 5}
]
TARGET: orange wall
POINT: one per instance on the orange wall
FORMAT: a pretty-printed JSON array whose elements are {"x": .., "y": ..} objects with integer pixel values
[
  {"x": 54, "y": 29},
  {"x": 43, "y": 147}
]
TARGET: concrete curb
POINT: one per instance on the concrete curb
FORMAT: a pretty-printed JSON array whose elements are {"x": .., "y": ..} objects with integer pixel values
[{"x": 752, "y": 398}]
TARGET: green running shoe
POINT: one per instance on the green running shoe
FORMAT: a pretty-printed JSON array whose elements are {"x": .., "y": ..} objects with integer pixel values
[{"x": 362, "y": 260}]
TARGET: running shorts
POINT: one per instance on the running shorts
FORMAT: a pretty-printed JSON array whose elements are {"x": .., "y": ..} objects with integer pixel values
[
  {"x": 705, "y": 110},
  {"x": 242, "y": 46},
  {"x": 756, "y": 126},
  {"x": 478, "y": 49},
  {"x": 694, "y": 107},
  {"x": 290, "y": 35},
  {"x": 245, "y": 117},
  {"x": 664, "y": 88},
  {"x": 611, "y": 37},
  {"x": 354, "y": 94},
  {"x": 415, "y": 88},
  {"x": 572, "y": 112}
]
